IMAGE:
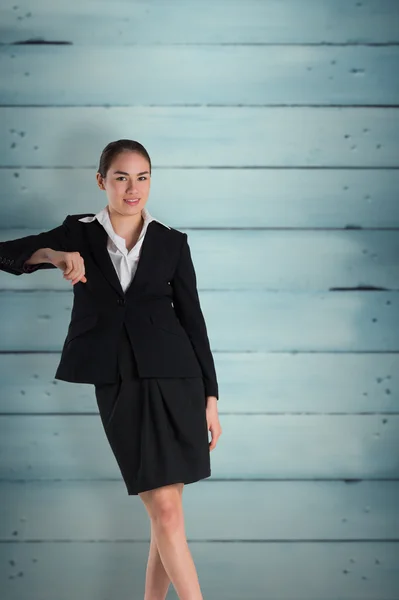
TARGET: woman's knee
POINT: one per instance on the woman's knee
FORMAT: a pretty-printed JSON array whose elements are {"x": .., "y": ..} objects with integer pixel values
[{"x": 164, "y": 504}]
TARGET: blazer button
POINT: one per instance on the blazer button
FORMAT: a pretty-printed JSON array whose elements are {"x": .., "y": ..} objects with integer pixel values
[{"x": 121, "y": 301}]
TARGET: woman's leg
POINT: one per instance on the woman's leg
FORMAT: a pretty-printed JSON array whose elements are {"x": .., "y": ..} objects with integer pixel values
[
  {"x": 165, "y": 509},
  {"x": 157, "y": 580}
]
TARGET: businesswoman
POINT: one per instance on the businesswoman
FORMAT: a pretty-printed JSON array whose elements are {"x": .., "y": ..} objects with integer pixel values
[{"x": 138, "y": 334}]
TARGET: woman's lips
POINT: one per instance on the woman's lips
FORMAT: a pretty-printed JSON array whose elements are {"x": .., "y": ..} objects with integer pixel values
[{"x": 132, "y": 202}]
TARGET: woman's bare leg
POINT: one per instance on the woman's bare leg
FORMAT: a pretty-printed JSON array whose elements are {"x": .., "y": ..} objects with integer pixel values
[
  {"x": 157, "y": 580},
  {"x": 164, "y": 506}
]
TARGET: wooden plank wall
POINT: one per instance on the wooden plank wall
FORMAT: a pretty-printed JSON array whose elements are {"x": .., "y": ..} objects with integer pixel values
[{"x": 274, "y": 134}]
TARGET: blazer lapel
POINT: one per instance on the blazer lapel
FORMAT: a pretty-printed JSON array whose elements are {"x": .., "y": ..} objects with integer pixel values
[
  {"x": 147, "y": 260},
  {"x": 98, "y": 237}
]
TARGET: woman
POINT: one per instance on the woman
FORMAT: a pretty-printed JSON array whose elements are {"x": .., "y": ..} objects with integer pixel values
[{"x": 138, "y": 334}]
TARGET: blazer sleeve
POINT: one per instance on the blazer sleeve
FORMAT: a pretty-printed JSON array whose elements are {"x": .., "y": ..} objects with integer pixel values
[
  {"x": 14, "y": 253},
  {"x": 188, "y": 310}
]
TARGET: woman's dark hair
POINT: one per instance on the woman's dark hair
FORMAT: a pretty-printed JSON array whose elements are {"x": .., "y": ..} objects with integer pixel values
[{"x": 112, "y": 149}]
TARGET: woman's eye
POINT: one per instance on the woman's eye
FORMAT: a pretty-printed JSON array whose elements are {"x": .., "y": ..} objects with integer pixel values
[{"x": 122, "y": 177}]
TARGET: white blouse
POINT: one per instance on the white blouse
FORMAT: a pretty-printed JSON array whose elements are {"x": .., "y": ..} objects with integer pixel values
[{"x": 124, "y": 261}]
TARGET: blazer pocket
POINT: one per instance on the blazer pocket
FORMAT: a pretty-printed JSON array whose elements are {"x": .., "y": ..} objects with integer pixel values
[
  {"x": 168, "y": 323},
  {"x": 80, "y": 326}
]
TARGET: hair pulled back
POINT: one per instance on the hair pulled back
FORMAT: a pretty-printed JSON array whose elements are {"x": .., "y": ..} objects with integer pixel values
[{"x": 112, "y": 149}]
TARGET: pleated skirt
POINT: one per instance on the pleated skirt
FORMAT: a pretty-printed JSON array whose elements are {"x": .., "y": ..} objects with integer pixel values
[{"x": 156, "y": 427}]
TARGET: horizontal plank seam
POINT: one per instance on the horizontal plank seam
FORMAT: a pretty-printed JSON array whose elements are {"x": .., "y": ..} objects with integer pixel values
[
  {"x": 39, "y": 42},
  {"x": 223, "y": 167},
  {"x": 206, "y": 541},
  {"x": 344, "y": 228},
  {"x": 347, "y": 481},
  {"x": 233, "y": 352},
  {"x": 221, "y": 411},
  {"x": 201, "y": 105}
]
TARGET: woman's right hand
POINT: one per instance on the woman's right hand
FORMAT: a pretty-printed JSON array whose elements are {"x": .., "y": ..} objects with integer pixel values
[{"x": 71, "y": 263}]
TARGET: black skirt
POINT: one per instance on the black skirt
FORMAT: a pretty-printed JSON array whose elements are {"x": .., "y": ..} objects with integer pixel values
[{"x": 156, "y": 427}]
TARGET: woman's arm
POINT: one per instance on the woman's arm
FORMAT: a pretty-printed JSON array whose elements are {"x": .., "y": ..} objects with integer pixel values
[
  {"x": 40, "y": 256},
  {"x": 188, "y": 309},
  {"x": 28, "y": 254}
]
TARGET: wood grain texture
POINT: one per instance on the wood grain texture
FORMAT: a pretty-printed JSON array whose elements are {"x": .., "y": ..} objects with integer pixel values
[
  {"x": 270, "y": 260},
  {"x": 250, "y": 383},
  {"x": 255, "y": 447},
  {"x": 290, "y": 511},
  {"x": 203, "y": 136},
  {"x": 211, "y": 21},
  {"x": 215, "y": 198},
  {"x": 263, "y": 321},
  {"x": 344, "y": 570},
  {"x": 195, "y": 75}
]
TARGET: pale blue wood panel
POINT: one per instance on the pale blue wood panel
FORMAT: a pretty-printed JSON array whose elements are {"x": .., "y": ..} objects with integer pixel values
[
  {"x": 266, "y": 260},
  {"x": 248, "y": 383},
  {"x": 159, "y": 75},
  {"x": 203, "y": 136},
  {"x": 240, "y": 321},
  {"x": 280, "y": 510},
  {"x": 208, "y": 21},
  {"x": 227, "y": 571},
  {"x": 40, "y": 198},
  {"x": 254, "y": 447}
]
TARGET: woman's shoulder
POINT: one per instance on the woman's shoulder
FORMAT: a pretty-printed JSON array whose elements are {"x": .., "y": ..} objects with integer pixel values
[
  {"x": 168, "y": 230},
  {"x": 79, "y": 216}
]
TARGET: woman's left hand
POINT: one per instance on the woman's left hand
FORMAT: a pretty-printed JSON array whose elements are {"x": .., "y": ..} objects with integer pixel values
[{"x": 212, "y": 419}]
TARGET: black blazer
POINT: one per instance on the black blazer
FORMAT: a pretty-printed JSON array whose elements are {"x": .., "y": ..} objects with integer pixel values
[{"x": 161, "y": 307}]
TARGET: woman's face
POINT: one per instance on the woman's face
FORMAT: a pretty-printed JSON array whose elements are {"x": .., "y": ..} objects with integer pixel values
[{"x": 128, "y": 178}]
